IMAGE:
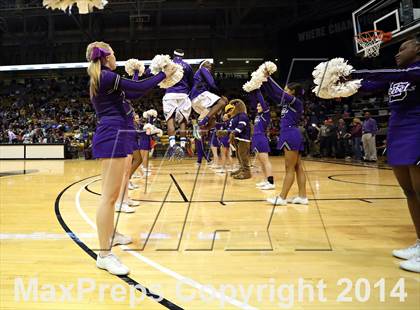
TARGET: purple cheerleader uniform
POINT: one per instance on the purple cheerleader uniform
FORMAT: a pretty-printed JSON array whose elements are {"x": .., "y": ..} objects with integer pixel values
[
  {"x": 111, "y": 138},
  {"x": 403, "y": 140},
  {"x": 214, "y": 140},
  {"x": 259, "y": 141},
  {"x": 132, "y": 136},
  {"x": 292, "y": 108},
  {"x": 144, "y": 141},
  {"x": 224, "y": 141}
]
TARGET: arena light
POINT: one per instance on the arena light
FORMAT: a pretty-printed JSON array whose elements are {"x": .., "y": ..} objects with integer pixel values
[
  {"x": 245, "y": 59},
  {"x": 77, "y": 65}
]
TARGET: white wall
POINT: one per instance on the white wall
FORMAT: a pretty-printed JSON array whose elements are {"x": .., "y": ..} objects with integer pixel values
[{"x": 33, "y": 151}]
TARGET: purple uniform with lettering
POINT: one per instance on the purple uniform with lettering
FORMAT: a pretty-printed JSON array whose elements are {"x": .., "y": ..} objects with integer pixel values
[
  {"x": 203, "y": 81},
  {"x": 184, "y": 86},
  {"x": 292, "y": 108},
  {"x": 240, "y": 126},
  {"x": 259, "y": 141},
  {"x": 114, "y": 113},
  {"x": 403, "y": 140}
]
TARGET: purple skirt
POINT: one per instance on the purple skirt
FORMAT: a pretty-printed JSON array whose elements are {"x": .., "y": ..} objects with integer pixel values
[
  {"x": 224, "y": 141},
  {"x": 132, "y": 136},
  {"x": 259, "y": 143},
  {"x": 214, "y": 140},
  {"x": 290, "y": 138},
  {"x": 403, "y": 145},
  {"x": 144, "y": 142},
  {"x": 110, "y": 139}
]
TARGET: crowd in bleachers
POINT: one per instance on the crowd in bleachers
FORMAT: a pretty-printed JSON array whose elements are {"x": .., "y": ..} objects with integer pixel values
[{"x": 58, "y": 110}]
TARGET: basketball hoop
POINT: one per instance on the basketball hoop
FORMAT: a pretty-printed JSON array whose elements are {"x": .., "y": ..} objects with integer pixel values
[{"x": 370, "y": 41}]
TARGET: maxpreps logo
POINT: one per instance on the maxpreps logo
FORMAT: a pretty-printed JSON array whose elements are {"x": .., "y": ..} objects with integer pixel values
[{"x": 398, "y": 91}]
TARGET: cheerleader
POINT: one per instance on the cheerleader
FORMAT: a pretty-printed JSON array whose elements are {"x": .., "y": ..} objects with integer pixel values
[
  {"x": 215, "y": 146},
  {"x": 176, "y": 102},
  {"x": 204, "y": 101},
  {"x": 259, "y": 141},
  {"x": 403, "y": 140},
  {"x": 199, "y": 142},
  {"x": 143, "y": 147},
  {"x": 124, "y": 203},
  {"x": 137, "y": 160},
  {"x": 291, "y": 139},
  {"x": 111, "y": 142},
  {"x": 225, "y": 153}
]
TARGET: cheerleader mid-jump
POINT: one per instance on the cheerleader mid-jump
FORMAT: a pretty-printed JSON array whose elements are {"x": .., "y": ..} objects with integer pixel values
[
  {"x": 111, "y": 143},
  {"x": 204, "y": 101}
]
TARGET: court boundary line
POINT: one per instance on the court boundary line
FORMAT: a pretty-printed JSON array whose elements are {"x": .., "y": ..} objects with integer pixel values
[
  {"x": 347, "y": 164},
  {"x": 87, "y": 188},
  {"x": 181, "y": 192},
  {"x": 332, "y": 178},
  {"x": 319, "y": 214},
  {"x": 130, "y": 281},
  {"x": 164, "y": 269}
]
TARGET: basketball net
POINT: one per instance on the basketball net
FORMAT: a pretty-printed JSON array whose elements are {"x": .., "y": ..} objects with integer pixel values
[{"x": 370, "y": 41}]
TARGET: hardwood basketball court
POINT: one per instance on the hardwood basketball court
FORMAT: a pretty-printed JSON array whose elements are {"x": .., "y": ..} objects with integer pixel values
[{"x": 205, "y": 241}]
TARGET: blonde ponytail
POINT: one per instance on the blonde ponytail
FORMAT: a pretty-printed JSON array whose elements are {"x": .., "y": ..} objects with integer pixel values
[{"x": 94, "y": 69}]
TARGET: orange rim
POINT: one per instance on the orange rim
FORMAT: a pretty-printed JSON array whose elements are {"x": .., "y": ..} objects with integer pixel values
[{"x": 371, "y": 35}]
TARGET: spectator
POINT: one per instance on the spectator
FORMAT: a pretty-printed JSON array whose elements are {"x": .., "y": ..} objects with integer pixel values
[
  {"x": 356, "y": 138},
  {"x": 12, "y": 136},
  {"x": 368, "y": 138},
  {"x": 332, "y": 138},
  {"x": 342, "y": 139},
  {"x": 323, "y": 138}
]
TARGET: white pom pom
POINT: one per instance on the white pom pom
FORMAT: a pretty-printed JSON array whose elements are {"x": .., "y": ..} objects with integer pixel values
[
  {"x": 257, "y": 78},
  {"x": 85, "y": 6},
  {"x": 327, "y": 77},
  {"x": 157, "y": 131},
  {"x": 151, "y": 112},
  {"x": 148, "y": 126},
  {"x": 269, "y": 66},
  {"x": 330, "y": 72},
  {"x": 174, "y": 78},
  {"x": 346, "y": 89},
  {"x": 158, "y": 63},
  {"x": 133, "y": 65},
  {"x": 322, "y": 93},
  {"x": 247, "y": 87}
]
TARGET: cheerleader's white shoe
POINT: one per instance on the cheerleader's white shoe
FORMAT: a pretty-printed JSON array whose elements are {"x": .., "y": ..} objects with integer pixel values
[
  {"x": 267, "y": 186},
  {"x": 277, "y": 201},
  {"x": 409, "y": 252},
  {"x": 112, "y": 264},
  {"x": 132, "y": 203},
  {"x": 261, "y": 184},
  {"x": 132, "y": 186},
  {"x": 412, "y": 264},
  {"x": 136, "y": 176},
  {"x": 120, "y": 239},
  {"x": 298, "y": 200},
  {"x": 124, "y": 208}
]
